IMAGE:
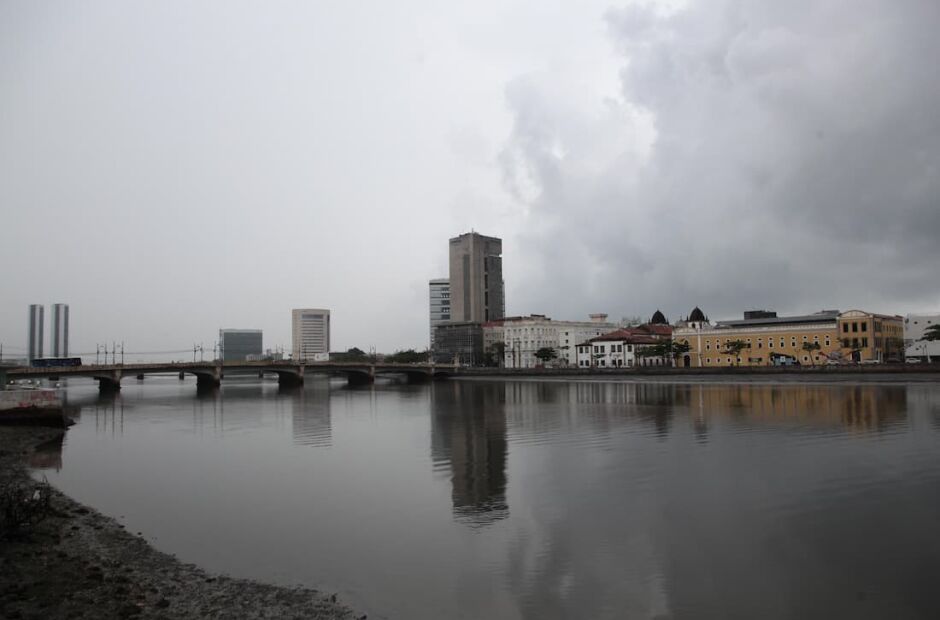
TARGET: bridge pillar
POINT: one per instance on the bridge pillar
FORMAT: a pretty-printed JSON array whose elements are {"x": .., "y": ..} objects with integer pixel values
[
  {"x": 110, "y": 382},
  {"x": 207, "y": 381},
  {"x": 291, "y": 378},
  {"x": 361, "y": 378}
]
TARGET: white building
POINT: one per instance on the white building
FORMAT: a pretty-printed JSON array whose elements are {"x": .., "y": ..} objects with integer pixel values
[
  {"x": 439, "y": 304},
  {"x": 618, "y": 349},
  {"x": 525, "y": 335},
  {"x": 914, "y": 327},
  {"x": 310, "y": 333}
]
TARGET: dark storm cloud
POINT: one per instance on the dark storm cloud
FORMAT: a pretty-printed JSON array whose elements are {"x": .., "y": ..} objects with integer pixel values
[{"x": 760, "y": 154}]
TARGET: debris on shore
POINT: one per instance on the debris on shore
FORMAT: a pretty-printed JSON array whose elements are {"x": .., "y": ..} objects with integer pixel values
[{"x": 72, "y": 562}]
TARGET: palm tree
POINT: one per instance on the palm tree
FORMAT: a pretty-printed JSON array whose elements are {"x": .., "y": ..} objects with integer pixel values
[
  {"x": 932, "y": 333},
  {"x": 809, "y": 347}
]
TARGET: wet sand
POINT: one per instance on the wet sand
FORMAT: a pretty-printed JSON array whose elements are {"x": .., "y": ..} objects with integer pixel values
[{"x": 78, "y": 563}]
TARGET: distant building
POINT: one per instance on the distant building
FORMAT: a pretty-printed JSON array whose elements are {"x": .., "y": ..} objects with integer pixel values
[
  {"x": 852, "y": 336},
  {"x": 439, "y": 304},
  {"x": 622, "y": 348},
  {"x": 524, "y": 335},
  {"x": 239, "y": 345},
  {"x": 60, "y": 330},
  {"x": 477, "y": 292},
  {"x": 310, "y": 333},
  {"x": 460, "y": 341},
  {"x": 915, "y": 348},
  {"x": 36, "y": 322}
]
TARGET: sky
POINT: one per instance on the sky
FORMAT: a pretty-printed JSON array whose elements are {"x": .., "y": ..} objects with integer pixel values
[{"x": 172, "y": 168}]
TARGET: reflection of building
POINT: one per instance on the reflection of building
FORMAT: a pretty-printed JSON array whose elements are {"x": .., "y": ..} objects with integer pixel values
[
  {"x": 310, "y": 332},
  {"x": 60, "y": 330},
  {"x": 310, "y": 417},
  {"x": 476, "y": 278},
  {"x": 468, "y": 433},
  {"x": 914, "y": 327},
  {"x": 859, "y": 407},
  {"x": 36, "y": 321},
  {"x": 439, "y": 303},
  {"x": 240, "y": 344},
  {"x": 769, "y": 339},
  {"x": 460, "y": 341}
]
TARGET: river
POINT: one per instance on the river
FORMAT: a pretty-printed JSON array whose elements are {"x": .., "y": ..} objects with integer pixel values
[{"x": 532, "y": 499}]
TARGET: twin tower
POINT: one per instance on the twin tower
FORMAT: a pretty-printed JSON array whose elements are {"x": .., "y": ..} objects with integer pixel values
[{"x": 60, "y": 331}]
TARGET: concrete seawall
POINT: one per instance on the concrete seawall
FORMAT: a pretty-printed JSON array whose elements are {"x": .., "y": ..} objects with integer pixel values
[
  {"x": 31, "y": 407},
  {"x": 904, "y": 372}
]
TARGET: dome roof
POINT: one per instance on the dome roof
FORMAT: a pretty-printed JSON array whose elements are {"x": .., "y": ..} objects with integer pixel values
[
  {"x": 658, "y": 319},
  {"x": 697, "y": 315}
]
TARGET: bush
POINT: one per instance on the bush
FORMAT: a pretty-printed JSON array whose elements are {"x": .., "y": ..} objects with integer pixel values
[{"x": 23, "y": 504}]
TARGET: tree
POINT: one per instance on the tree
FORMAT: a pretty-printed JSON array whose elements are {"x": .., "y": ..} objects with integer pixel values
[
  {"x": 810, "y": 347},
  {"x": 546, "y": 354},
  {"x": 932, "y": 333},
  {"x": 354, "y": 354},
  {"x": 407, "y": 357},
  {"x": 496, "y": 354},
  {"x": 734, "y": 348}
]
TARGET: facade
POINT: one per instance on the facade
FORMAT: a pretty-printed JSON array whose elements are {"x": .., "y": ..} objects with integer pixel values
[
  {"x": 310, "y": 333},
  {"x": 524, "y": 335},
  {"x": 477, "y": 292},
  {"x": 871, "y": 337},
  {"x": 460, "y": 342},
  {"x": 853, "y": 336},
  {"x": 915, "y": 348},
  {"x": 439, "y": 304},
  {"x": 239, "y": 345},
  {"x": 622, "y": 348},
  {"x": 493, "y": 343},
  {"x": 60, "y": 330},
  {"x": 36, "y": 322}
]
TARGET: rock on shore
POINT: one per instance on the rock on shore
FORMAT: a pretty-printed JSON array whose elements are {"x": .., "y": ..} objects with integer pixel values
[{"x": 77, "y": 563}]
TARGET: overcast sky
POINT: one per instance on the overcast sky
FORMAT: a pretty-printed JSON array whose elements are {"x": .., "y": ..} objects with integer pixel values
[{"x": 171, "y": 168}]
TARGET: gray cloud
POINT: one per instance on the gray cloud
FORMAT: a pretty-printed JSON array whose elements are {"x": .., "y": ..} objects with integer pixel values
[{"x": 793, "y": 163}]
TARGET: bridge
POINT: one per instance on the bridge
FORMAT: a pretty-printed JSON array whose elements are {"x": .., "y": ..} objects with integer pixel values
[{"x": 211, "y": 373}]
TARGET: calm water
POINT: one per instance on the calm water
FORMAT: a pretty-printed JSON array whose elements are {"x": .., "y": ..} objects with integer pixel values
[{"x": 528, "y": 499}]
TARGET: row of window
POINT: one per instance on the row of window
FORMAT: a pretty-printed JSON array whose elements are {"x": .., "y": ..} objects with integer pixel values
[{"x": 770, "y": 342}]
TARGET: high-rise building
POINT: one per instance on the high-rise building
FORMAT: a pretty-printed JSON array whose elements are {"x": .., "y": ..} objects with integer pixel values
[
  {"x": 310, "y": 333},
  {"x": 439, "y": 301},
  {"x": 476, "y": 278},
  {"x": 36, "y": 322},
  {"x": 60, "y": 330},
  {"x": 238, "y": 344}
]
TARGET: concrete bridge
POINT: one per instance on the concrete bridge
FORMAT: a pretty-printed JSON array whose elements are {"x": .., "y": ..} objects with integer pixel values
[{"x": 211, "y": 373}]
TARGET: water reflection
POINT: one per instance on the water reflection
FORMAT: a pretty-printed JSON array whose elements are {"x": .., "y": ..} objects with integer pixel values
[
  {"x": 310, "y": 414},
  {"x": 48, "y": 455},
  {"x": 468, "y": 433}
]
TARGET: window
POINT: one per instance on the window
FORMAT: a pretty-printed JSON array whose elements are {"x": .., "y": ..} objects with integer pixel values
[
  {"x": 854, "y": 343},
  {"x": 708, "y": 360},
  {"x": 864, "y": 327},
  {"x": 629, "y": 348},
  {"x": 854, "y": 327},
  {"x": 845, "y": 328},
  {"x": 865, "y": 341},
  {"x": 845, "y": 343}
]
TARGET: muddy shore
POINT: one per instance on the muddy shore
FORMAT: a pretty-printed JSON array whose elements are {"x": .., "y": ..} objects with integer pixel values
[{"x": 78, "y": 563}]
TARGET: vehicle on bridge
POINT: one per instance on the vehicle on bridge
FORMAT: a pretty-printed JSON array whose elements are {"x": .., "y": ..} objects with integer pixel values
[{"x": 56, "y": 362}]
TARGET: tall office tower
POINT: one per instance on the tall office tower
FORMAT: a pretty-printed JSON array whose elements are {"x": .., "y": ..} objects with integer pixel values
[
  {"x": 476, "y": 278},
  {"x": 439, "y": 301},
  {"x": 60, "y": 330},
  {"x": 310, "y": 333},
  {"x": 36, "y": 321},
  {"x": 239, "y": 345}
]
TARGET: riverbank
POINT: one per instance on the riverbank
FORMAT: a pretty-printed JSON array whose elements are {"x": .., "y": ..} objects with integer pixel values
[
  {"x": 78, "y": 563},
  {"x": 867, "y": 373}
]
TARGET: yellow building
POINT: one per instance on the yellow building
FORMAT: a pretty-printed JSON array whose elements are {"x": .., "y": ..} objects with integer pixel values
[
  {"x": 764, "y": 339},
  {"x": 875, "y": 337}
]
